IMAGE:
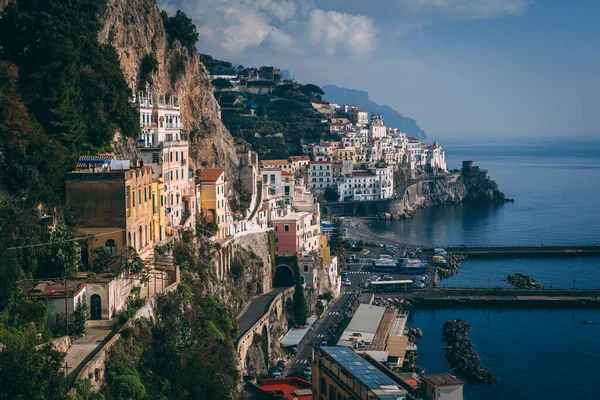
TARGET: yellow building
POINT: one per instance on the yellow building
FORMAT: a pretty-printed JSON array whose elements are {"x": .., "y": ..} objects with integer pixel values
[
  {"x": 345, "y": 154},
  {"x": 120, "y": 205},
  {"x": 213, "y": 199}
]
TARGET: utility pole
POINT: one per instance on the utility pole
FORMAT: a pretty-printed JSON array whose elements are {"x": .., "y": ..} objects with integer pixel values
[{"x": 66, "y": 307}]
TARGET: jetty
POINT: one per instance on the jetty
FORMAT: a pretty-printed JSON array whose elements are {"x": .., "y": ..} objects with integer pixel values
[
  {"x": 524, "y": 251},
  {"x": 500, "y": 297}
]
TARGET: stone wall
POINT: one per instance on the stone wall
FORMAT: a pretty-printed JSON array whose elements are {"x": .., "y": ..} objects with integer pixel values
[{"x": 94, "y": 369}]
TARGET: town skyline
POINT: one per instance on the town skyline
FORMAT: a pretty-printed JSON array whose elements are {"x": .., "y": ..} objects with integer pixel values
[{"x": 466, "y": 68}]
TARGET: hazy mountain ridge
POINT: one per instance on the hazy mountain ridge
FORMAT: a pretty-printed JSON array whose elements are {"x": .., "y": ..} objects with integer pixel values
[{"x": 359, "y": 98}]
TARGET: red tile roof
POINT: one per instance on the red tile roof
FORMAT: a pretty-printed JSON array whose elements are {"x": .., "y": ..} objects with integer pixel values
[
  {"x": 290, "y": 388},
  {"x": 300, "y": 158},
  {"x": 286, "y": 173},
  {"x": 211, "y": 174},
  {"x": 274, "y": 162}
]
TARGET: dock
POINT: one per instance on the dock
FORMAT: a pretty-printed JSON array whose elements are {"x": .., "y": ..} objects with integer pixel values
[
  {"x": 525, "y": 251},
  {"x": 477, "y": 297}
]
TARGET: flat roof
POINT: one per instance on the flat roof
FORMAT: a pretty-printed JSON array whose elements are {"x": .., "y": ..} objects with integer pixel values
[
  {"x": 444, "y": 379},
  {"x": 291, "y": 388},
  {"x": 293, "y": 216},
  {"x": 383, "y": 387},
  {"x": 363, "y": 325}
]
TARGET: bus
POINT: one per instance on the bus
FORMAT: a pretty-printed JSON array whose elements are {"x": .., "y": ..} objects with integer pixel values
[{"x": 392, "y": 286}]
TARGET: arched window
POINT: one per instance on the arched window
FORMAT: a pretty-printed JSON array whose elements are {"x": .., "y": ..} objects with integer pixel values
[
  {"x": 128, "y": 238},
  {"x": 140, "y": 238},
  {"x": 110, "y": 246}
]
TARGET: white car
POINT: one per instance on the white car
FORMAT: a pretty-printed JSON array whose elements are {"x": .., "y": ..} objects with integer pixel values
[
  {"x": 347, "y": 282},
  {"x": 419, "y": 285}
]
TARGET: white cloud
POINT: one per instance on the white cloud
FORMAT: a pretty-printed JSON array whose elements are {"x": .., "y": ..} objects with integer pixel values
[
  {"x": 337, "y": 33},
  {"x": 467, "y": 9},
  {"x": 231, "y": 27}
]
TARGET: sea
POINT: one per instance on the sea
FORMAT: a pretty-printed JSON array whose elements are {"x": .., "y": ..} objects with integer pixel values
[{"x": 539, "y": 353}]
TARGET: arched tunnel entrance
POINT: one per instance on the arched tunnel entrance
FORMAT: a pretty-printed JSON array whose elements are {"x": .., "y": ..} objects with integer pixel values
[{"x": 284, "y": 276}]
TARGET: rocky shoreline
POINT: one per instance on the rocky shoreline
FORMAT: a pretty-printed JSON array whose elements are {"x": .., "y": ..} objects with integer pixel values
[
  {"x": 460, "y": 353},
  {"x": 453, "y": 263},
  {"x": 522, "y": 281}
]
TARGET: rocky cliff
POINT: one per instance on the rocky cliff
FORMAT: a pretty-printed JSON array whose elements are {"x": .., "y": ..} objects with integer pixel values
[{"x": 135, "y": 29}]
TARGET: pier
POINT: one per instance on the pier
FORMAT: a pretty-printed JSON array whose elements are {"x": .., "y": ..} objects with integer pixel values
[
  {"x": 500, "y": 297},
  {"x": 524, "y": 251}
]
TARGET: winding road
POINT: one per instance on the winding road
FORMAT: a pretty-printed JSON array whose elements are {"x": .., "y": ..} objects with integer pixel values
[{"x": 256, "y": 309}]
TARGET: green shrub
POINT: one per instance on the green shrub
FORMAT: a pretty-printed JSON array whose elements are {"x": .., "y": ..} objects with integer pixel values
[
  {"x": 128, "y": 387},
  {"x": 80, "y": 317},
  {"x": 84, "y": 387}
]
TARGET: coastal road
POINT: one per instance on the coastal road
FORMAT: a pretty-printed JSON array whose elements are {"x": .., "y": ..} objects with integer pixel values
[
  {"x": 256, "y": 309},
  {"x": 320, "y": 329}
]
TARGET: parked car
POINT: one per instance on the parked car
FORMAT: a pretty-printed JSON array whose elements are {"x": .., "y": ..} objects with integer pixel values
[
  {"x": 388, "y": 278},
  {"x": 419, "y": 284},
  {"x": 411, "y": 254},
  {"x": 374, "y": 278},
  {"x": 324, "y": 343},
  {"x": 307, "y": 373},
  {"x": 346, "y": 282},
  {"x": 421, "y": 278}
]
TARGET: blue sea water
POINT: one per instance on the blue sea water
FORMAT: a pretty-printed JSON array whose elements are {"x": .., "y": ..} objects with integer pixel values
[{"x": 538, "y": 354}]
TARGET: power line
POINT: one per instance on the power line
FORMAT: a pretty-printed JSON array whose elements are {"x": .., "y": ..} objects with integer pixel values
[{"x": 64, "y": 241}]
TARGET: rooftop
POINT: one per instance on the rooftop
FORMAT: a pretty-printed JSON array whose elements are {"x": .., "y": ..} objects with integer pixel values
[
  {"x": 50, "y": 289},
  {"x": 444, "y": 379},
  {"x": 274, "y": 162},
  {"x": 211, "y": 174},
  {"x": 288, "y": 388},
  {"x": 292, "y": 217},
  {"x": 382, "y": 387},
  {"x": 300, "y": 158}
]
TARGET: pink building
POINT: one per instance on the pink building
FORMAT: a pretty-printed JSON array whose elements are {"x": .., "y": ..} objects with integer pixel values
[{"x": 296, "y": 233}]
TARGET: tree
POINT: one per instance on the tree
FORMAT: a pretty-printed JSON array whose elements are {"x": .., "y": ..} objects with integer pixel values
[
  {"x": 30, "y": 371},
  {"x": 331, "y": 195},
  {"x": 80, "y": 316},
  {"x": 300, "y": 308},
  {"x": 180, "y": 27},
  {"x": 339, "y": 245},
  {"x": 312, "y": 91},
  {"x": 221, "y": 83}
]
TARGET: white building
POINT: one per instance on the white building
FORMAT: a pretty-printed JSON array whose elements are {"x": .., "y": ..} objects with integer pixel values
[
  {"x": 320, "y": 175},
  {"x": 442, "y": 387},
  {"x": 163, "y": 146}
]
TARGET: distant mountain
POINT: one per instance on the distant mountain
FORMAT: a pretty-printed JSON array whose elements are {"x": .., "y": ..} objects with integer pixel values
[{"x": 391, "y": 117}]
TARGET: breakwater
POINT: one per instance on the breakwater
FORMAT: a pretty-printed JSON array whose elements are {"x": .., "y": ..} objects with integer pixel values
[
  {"x": 563, "y": 250},
  {"x": 460, "y": 353}
]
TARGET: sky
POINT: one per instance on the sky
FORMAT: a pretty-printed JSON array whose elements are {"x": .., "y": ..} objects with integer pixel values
[{"x": 459, "y": 67}]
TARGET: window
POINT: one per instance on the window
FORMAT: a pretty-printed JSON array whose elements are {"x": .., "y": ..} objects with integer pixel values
[
  {"x": 181, "y": 155},
  {"x": 286, "y": 190},
  {"x": 176, "y": 173},
  {"x": 272, "y": 178},
  {"x": 127, "y": 197},
  {"x": 171, "y": 159},
  {"x": 145, "y": 194},
  {"x": 139, "y": 196},
  {"x": 176, "y": 156},
  {"x": 276, "y": 228},
  {"x": 182, "y": 176},
  {"x": 171, "y": 178},
  {"x": 305, "y": 268},
  {"x": 110, "y": 246},
  {"x": 286, "y": 228},
  {"x": 265, "y": 179}
]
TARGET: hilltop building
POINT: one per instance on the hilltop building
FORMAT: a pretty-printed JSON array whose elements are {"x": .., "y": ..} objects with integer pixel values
[{"x": 163, "y": 145}]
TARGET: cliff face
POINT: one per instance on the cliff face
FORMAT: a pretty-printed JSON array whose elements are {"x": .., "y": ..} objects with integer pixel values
[{"x": 136, "y": 30}]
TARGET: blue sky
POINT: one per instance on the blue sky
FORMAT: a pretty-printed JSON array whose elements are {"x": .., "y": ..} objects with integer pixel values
[{"x": 459, "y": 67}]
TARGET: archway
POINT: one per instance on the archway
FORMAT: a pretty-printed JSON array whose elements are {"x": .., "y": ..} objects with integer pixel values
[
  {"x": 96, "y": 307},
  {"x": 284, "y": 276}
]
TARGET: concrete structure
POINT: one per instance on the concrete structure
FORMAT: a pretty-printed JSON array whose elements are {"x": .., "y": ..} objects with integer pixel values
[
  {"x": 442, "y": 387},
  {"x": 339, "y": 373},
  {"x": 274, "y": 307},
  {"x": 214, "y": 206},
  {"x": 117, "y": 204}
]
